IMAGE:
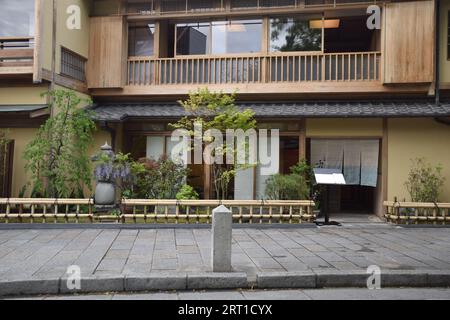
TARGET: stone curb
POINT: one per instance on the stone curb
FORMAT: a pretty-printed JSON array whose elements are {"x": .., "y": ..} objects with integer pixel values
[{"x": 204, "y": 281}]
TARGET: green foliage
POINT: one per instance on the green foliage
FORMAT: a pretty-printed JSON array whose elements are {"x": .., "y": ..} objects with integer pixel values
[
  {"x": 294, "y": 186},
  {"x": 4, "y": 138},
  {"x": 57, "y": 157},
  {"x": 154, "y": 179},
  {"x": 287, "y": 187},
  {"x": 187, "y": 193},
  {"x": 424, "y": 182},
  {"x": 216, "y": 110},
  {"x": 298, "y": 35}
]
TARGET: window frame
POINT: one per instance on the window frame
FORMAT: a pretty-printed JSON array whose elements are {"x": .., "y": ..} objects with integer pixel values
[
  {"x": 155, "y": 39},
  {"x": 210, "y": 40},
  {"x": 77, "y": 55}
]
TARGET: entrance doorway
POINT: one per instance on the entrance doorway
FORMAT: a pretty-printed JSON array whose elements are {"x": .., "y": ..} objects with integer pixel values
[{"x": 358, "y": 159}]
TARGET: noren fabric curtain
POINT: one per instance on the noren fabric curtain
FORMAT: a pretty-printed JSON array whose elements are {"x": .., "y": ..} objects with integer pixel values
[{"x": 357, "y": 158}]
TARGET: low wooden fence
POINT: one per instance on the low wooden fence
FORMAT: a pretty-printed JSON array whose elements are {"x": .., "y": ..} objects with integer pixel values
[
  {"x": 417, "y": 213},
  {"x": 153, "y": 211}
]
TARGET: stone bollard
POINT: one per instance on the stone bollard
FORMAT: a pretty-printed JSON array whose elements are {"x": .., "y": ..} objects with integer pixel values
[{"x": 221, "y": 239}]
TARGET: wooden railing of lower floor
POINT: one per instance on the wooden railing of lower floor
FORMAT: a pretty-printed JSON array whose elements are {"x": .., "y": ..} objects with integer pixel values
[
  {"x": 417, "y": 213},
  {"x": 153, "y": 211},
  {"x": 295, "y": 67}
]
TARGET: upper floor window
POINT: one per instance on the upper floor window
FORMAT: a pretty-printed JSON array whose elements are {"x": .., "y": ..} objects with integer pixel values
[
  {"x": 294, "y": 34},
  {"x": 254, "y": 4},
  {"x": 219, "y": 37},
  {"x": 141, "y": 40},
  {"x": 17, "y": 18},
  {"x": 73, "y": 65}
]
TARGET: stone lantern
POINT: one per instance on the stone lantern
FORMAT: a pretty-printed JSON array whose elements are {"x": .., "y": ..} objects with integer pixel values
[{"x": 105, "y": 191}]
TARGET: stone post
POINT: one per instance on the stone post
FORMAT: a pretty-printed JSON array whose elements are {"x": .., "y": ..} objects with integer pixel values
[{"x": 221, "y": 239}]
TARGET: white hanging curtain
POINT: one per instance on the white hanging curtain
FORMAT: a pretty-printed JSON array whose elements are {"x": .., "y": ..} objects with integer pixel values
[
  {"x": 327, "y": 153},
  {"x": 370, "y": 153},
  {"x": 352, "y": 162},
  {"x": 357, "y": 158},
  {"x": 155, "y": 147}
]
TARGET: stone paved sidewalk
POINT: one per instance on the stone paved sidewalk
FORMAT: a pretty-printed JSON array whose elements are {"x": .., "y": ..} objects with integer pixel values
[{"x": 48, "y": 253}]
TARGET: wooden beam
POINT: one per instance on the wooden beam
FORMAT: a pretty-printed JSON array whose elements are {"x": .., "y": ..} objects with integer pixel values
[
  {"x": 385, "y": 161},
  {"x": 302, "y": 138},
  {"x": 16, "y": 70},
  {"x": 356, "y": 87},
  {"x": 38, "y": 47},
  {"x": 16, "y": 54}
]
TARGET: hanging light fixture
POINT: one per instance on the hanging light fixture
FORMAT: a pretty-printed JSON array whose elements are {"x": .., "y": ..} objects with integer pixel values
[{"x": 327, "y": 24}]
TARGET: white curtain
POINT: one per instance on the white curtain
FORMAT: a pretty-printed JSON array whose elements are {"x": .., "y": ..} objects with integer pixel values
[
  {"x": 357, "y": 158},
  {"x": 370, "y": 153},
  {"x": 155, "y": 147},
  {"x": 352, "y": 162},
  {"x": 327, "y": 153}
]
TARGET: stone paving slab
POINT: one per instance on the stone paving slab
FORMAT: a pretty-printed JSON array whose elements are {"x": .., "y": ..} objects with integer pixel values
[
  {"x": 328, "y": 256},
  {"x": 261, "y": 295}
]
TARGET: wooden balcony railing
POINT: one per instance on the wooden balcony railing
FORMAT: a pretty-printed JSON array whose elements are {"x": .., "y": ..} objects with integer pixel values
[
  {"x": 16, "y": 52},
  {"x": 153, "y": 211},
  {"x": 254, "y": 68}
]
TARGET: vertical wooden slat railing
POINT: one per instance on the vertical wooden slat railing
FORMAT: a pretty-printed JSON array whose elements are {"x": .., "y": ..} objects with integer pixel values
[{"x": 254, "y": 68}]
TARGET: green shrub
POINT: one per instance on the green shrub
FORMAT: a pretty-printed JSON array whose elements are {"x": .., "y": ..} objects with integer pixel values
[
  {"x": 294, "y": 186},
  {"x": 154, "y": 179},
  {"x": 187, "y": 193},
  {"x": 424, "y": 182}
]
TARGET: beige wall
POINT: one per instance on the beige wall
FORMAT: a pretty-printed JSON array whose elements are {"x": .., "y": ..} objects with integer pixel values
[
  {"x": 444, "y": 63},
  {"x": 344, "y": 127},
  {"x": 412, "y": 138},
  {"x": 23, "y": 95},
  {"x": 74, "y": 40},
  {"x": 21, "y": 138}
]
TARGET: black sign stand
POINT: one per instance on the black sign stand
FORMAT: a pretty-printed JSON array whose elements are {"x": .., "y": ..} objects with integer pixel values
[
  {"x": 326, "y": 196},
  {"x": 326, "y": 210}
]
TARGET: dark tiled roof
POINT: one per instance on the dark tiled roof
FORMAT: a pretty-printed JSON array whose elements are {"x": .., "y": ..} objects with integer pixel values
[
  {"x": 22, "y": 107},
  {"x": 123, "y": 111}
]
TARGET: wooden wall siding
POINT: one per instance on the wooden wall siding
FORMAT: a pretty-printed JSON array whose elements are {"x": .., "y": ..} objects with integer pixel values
[
  {"x": 106, "y": 67},
  {"x": 409, "y": 42},
  {"x": 255, "y": 68}
]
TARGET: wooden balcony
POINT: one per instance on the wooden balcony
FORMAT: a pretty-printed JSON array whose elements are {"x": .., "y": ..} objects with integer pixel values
[
  {"x": 296, "y": 72},
  {"x": 254, "y": 69},
  {"x": 16, "y": 55}
]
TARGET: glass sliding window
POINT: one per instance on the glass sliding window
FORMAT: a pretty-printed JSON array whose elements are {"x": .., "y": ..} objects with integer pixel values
[
  {"x": 294, "y": 34},
  {"x": 239, "y": 36},
  {"x": 204, "y": 5},
  {"x": 193, "y": 38},
  {"x": 17, "y": 18},
  {"x": 173, "y": 6},
  {"x": 141, "y": 40},
  {"x": 141, "y": 6},
  {"x": 276, "y": 3},
  {"x": 244, "y": 4}
]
